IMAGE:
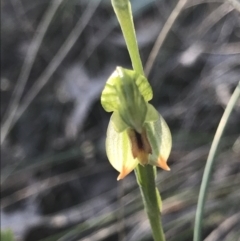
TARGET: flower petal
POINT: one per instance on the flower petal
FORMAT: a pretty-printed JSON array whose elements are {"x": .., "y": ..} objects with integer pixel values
[
  {"x": 118, "y": 148},
  {"x": 118, "y": 124},
  {"x": 127, "y": 92},
  {"x": 161, "y": 162},
  {"x": 152, "y": 114},
  {"x": 160, "y": 140}
]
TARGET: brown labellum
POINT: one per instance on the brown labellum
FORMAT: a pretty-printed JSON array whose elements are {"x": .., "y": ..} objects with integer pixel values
[{"x": 140, "y": 145}]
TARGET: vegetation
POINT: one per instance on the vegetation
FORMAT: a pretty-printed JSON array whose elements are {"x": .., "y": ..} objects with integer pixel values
[{"x": 56, "y": 182}]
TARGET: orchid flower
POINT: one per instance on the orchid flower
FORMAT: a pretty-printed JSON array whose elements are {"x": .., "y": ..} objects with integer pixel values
[{"x": 137, "y": 133}]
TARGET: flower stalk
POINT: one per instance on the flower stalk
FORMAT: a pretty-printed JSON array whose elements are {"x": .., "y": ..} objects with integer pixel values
[{"x": 145, "y": 174}]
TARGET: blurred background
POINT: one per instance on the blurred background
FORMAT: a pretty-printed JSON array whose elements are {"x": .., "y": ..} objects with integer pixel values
[{"x": 56, "y": 55}]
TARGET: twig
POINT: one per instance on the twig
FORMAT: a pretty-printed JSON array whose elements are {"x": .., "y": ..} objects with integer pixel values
[
  {"x": 198, "y": 2},
  {"x": 58, "y": 58},
  {"x": 212, "y": 19},
  {"x": 26, "y": 69},
  {"x": 21, "y": 17},
  {"x": 224, "y": 228},
  {"x": 162, "y": 36},
  {"x": 47, "y": 184},
  {"x": 235, "y": 4}
]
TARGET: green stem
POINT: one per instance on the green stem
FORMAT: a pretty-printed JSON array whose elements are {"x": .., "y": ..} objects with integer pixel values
[
  {"x": 210, "y": 160},
  {"x": 151, "y": 199},
  {"x": 145, "y": 175},
  {"x": 122, "y": 9}
]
